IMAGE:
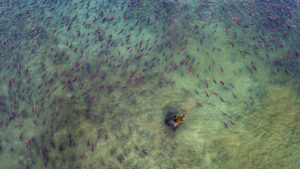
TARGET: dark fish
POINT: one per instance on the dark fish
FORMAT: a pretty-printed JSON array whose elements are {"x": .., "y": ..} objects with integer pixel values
[{"x": 225, "y": 125}]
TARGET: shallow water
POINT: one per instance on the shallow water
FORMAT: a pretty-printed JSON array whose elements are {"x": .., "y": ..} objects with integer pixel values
[{"x": 89, "y": 84}]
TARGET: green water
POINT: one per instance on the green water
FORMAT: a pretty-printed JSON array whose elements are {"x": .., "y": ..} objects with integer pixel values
[{"x": 87, "y": 84}]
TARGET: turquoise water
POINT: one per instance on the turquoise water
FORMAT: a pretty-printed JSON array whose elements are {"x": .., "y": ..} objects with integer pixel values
[{"x": 88, "y": 84}]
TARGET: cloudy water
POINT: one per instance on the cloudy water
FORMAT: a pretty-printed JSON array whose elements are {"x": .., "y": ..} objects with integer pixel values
[{"x": 149, "y": 84}]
